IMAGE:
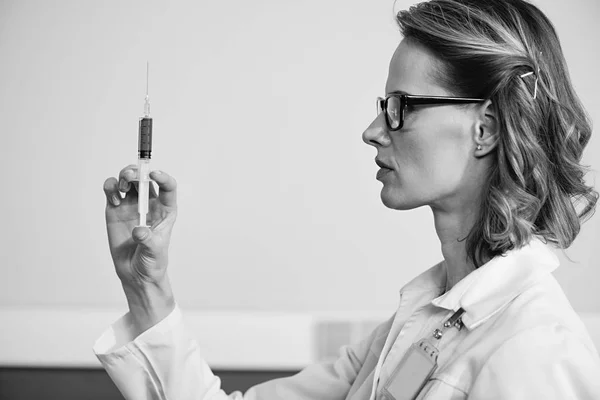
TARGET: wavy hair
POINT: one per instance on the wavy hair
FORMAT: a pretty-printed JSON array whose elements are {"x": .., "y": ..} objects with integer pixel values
[{"x": 536, "y": 184}]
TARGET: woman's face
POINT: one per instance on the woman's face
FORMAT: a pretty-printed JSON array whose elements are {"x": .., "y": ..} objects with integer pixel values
[{"x": 432, "y": 156}]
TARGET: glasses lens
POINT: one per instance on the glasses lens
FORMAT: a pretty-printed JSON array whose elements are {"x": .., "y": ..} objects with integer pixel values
[
  {"x": 379, "y": 105},
  {"x": 393, "y": 112}
]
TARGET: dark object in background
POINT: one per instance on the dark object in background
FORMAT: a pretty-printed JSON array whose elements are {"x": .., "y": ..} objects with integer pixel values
[{"x": 95, "y": 384}]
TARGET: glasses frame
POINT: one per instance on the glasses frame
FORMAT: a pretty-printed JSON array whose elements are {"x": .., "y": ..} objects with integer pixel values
[{"x": 406, "y": 100}]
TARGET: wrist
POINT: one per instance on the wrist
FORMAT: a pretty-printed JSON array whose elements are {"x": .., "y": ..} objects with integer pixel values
[{"x": 149, "y": 303}]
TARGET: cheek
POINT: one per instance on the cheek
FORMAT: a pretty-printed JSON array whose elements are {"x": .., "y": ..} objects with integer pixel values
[
  {"x": 446, "y": 166},
  {"x": 448, "y": 160},
  {"x": 433, "y": 151},
  {"x": 410, "y": 156}
]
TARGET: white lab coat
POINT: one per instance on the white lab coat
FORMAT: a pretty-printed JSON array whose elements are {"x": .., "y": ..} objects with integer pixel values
[{"x": 521, "y": 340}]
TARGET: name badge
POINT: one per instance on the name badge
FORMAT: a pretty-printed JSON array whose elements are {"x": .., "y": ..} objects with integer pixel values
[
  {"x": 413, "y": 372},
  {"x": 418, "y": 364}
]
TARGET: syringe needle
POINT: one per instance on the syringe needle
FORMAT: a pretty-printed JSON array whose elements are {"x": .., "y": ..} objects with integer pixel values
[{"x": 147, "y": 103}]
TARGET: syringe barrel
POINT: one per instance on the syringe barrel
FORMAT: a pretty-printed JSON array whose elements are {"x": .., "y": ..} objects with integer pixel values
[
  {"x": 143, "y": 189},
  {"x": 145, "y": 138}
]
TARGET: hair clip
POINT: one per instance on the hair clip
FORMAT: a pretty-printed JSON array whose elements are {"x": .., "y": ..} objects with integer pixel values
[
  {"x": 536, "y": 81},
  {"x": 537, "y": 76}
]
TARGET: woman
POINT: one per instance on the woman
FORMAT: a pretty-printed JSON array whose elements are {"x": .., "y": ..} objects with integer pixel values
[{"x": 480, "y": 122}]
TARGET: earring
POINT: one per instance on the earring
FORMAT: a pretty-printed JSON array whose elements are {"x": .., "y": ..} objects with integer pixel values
[{"x": 478, "y": 147}]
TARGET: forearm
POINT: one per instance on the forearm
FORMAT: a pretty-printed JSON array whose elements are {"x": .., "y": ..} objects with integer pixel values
[
  {"x": 149, "y": 303},
  {"x": 162, "y": 362}
]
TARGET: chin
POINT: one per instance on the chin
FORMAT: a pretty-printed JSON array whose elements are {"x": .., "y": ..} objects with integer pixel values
[{"x": 398, "y": 201}]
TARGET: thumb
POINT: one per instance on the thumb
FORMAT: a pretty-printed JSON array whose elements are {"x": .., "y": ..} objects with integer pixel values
[{"x": 142, "y": 235}]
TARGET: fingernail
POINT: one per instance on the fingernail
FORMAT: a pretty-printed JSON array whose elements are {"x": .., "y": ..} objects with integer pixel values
[
  {"x": 144, "y": 235},
  {"x": 116, "y": 200}
]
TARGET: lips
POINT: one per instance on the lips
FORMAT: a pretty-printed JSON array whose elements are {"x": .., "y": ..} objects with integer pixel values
[
  {"x": 382, "y": 172},
  {"x": 382, "y": 164},
  {"x": 385, "y": 168}
]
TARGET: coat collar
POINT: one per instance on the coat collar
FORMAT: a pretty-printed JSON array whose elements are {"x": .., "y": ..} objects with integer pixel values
[{"x": 488, "y": 289}]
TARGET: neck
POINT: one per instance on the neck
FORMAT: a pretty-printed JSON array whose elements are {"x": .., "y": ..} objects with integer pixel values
[{"x": 452, "y": 229}]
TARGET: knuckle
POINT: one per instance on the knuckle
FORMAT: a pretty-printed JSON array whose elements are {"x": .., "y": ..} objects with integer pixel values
[
  {"x": 124, "y": 185},
  {"x": 123, "y": 173}
]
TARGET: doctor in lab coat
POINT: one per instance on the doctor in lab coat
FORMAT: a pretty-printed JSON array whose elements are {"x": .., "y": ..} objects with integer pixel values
[{"x": 479, "y": 122}]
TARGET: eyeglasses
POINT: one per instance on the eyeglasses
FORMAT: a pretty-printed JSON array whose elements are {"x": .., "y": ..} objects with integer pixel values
[{"x": 395, "y": 105}]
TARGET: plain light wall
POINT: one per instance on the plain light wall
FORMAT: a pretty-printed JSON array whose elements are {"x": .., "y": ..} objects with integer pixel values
[{"x": 258, "y": 112}]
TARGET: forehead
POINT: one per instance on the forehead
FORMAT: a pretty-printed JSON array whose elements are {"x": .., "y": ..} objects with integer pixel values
[{"x": 412, "y": 69}]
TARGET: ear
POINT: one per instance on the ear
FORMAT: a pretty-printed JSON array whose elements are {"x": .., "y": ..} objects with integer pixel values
[{"x": 486, "y": 130}]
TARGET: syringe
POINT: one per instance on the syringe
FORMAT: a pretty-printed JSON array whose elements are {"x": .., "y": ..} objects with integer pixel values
[{"x": 144, "y": 153}]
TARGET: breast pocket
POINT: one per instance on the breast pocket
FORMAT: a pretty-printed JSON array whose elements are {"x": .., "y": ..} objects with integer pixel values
[{"x": 438, "y": 388}]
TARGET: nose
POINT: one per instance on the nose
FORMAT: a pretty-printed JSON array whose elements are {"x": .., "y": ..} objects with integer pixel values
[{"x": 376, "y": 134}]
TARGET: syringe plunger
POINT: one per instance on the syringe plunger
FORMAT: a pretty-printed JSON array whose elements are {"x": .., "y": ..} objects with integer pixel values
[{"x": 143, "y": 189}]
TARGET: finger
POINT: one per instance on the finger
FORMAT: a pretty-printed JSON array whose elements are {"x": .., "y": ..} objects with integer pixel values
[
  {"x": 153, "y": 193},
  {"x": 142, "y": 235},
  {"x": 126, "y": 176},
  {"x": 113, "y": 197},
  {"x": 145, "y": 237},
  {"x": 132, "y": 190},
  {"x": 167, "y": 187}
]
